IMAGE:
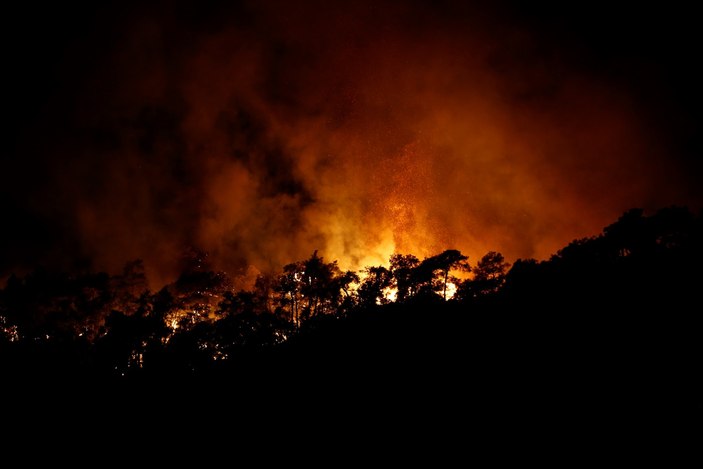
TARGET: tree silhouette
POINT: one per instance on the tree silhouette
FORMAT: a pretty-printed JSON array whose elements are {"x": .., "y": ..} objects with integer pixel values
[
  {"x": 524, "y": 282},
  {"x": 264, "y": 293},
  {"x": 629, "y": 233},
  {"x": 616, "y": 311},
  {"x": 447, "y": 261},
  {"x": 402, "y": 267},
  {"x": 132, "y": 340},
  {"x": 433, "y": 273},
  {"x": 129, "y": 286},
  {"x": 489, "y": 276},
  {"x": 343, "y": 283},
  {"x": 321, "y": 286},
  {"x": 289, "y": 288},
  {"x": 197, "y": 292},
  {"x": 372, "y": 289}
]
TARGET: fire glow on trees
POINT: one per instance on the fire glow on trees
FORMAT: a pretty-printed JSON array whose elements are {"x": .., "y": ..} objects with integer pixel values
[{"x": 262, "y": 131}]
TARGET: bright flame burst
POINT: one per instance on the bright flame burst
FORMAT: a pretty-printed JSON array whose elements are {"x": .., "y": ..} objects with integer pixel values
[
  {"x": 451, "y": 290},
  {"x": 390, "y": 293}
]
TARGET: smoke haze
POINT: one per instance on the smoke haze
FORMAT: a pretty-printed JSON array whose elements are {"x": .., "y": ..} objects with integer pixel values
[{"x": 262, "y": 131}]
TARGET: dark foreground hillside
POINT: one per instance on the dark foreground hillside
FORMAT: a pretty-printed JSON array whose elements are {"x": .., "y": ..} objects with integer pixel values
[
  {"x": 598, "y": 345},
  {"x": 436, "y": 363}
]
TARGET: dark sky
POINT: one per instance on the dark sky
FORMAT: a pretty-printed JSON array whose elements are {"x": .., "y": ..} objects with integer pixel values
[{"x": 261, "y": 131}]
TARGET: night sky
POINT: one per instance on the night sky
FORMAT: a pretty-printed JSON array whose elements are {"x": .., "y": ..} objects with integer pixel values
[{"x": 261, "y": 131}]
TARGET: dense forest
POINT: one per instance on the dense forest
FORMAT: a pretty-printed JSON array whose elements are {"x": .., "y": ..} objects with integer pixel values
[{"x": 610, "y": 322}]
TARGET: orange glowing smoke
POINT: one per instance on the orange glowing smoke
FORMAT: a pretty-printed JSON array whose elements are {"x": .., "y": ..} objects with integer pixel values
[{"x": 359, "y": 131}]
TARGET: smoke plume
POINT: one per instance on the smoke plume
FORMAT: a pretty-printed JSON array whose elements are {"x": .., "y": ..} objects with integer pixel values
[{"x": 262, "y": 131}]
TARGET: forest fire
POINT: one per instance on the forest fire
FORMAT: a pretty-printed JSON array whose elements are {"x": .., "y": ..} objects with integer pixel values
[
  {"x": 483, "y": 209},
  {"x": 357, "y": 138}
]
